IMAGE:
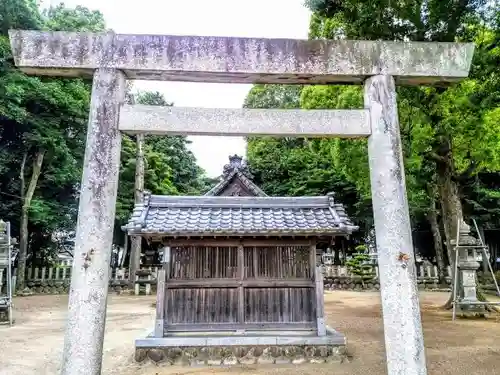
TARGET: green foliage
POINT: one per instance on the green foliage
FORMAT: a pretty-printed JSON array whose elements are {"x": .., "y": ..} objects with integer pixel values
[
  {"x": 45, "y": 114},
  {"x": 61, "y": 18},
  {"x": 151, "y": 98},
  {"x": 170, "y": 167},
  {"x": 40, "y": 114},
  {"x": 186, "y": 176},
  {"x": 294, "y": 167},
  {"x": 19, "y": 14},
  {"x": 358, "y": 265},
  {"x": 451, "y": 131},
  {"x": 464, "y": 116},
  {"x": 273, "y": 96},
  {"x": 433, "y": 20},
  {"x": 157, "y": 177}
]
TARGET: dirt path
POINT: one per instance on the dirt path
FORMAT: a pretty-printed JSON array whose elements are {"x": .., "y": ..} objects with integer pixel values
[{"x": 34, "y": 344}]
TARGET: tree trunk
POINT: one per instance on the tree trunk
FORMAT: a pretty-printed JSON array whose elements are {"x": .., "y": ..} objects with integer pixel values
[
  {"x": 27, "y": 195},
  {"x": 452, "y": 212},
  {"x": 136, "y": 243},
  {"x": 438, "y": 242}
]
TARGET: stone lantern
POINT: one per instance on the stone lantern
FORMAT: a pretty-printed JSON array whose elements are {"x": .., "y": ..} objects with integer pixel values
[{"x": 466, "y": 273}]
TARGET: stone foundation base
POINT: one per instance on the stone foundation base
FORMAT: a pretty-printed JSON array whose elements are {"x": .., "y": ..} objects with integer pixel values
[
  {"x": 242, "y": 355},
  {"x": 225, "y": 349},
  {"x": 4, "y": 316},
  {"x": 472, "y": 312}
]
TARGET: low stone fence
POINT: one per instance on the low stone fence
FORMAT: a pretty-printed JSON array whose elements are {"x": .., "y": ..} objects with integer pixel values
[
  {"x": 423, "y": 271},
  {"x": 340, "y": 278},
  {"x": 56, "y": 280},
  {"x": 358, "y": 284}
]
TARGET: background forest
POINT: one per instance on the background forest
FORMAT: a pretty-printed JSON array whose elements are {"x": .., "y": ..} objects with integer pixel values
[
  {"x": 451, "y": 136},
  {"x": 43, "y": 124}
]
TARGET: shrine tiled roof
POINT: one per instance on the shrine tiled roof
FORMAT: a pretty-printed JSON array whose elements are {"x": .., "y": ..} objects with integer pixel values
[{"x": 233, "y": 215}]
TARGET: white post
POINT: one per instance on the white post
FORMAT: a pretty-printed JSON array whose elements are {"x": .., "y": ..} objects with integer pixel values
[
  {"x": 9, "y": 274},
  {"x": 82, "y": 354},
  {"x": 320, "y": 301},
  {"x": 161, "y": 299},
  {"x": 160, "y": 303},
  {"x": 148, "y": 286},
  {"x": 404, "y": 344},
  {"x": 136, "y": 285}
]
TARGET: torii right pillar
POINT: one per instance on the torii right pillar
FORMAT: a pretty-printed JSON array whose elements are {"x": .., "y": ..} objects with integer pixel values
[{"x": 398, "y": 287}]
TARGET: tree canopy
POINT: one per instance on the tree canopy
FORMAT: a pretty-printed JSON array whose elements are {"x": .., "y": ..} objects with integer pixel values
[
  {"x": 43, "y": 125},
  {"x": 450, "y": 135}
]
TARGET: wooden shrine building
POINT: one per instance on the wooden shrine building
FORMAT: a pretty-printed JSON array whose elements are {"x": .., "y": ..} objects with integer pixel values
[{"x": 239, "y": 264}]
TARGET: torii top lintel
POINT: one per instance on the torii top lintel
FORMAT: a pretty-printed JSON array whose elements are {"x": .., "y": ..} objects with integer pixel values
[{"x": 238, "y": 60}]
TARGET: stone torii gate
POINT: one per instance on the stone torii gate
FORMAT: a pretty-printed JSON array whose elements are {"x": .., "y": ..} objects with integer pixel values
[{"x": 111, "y": 59}]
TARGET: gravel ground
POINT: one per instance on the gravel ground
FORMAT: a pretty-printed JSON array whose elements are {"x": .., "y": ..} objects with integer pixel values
[{"x": 34, "y": 344}]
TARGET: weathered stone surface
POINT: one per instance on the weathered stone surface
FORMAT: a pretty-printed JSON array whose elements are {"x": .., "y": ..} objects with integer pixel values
[
  {"x": 140, "y": 355},
  {"x": 248, "y": 360},
  {"x": 231, "y": 360},
  {"x": 250, "y": 355},
  {"x": 156, "y": 355},
  {"x": 404, "y": 340},
  {"x": 240, "y": 122},
  {"x": 467, "y": 280},
  {"x": 423, "y": 284},
  {"x": 266, "y": 357},
  {"x": 238, "y": 60},
  {"x": 300, "y": 360},
  {"x": 317, "y": 360},
  {"x": 336, "y": 354},
  {"x": 4, "y": 315},
  {"x": 293, "y": 351},
  {"x": 61, "y": 288},
  {"x": 243, "y": 355},
  {"x": 82, "y": 354},
  {"x": 183, "y": 360},
  {"x": 172, "y": 354},
  {"x": 334, "y": 359},
  {"x": 340, "y": 350}
]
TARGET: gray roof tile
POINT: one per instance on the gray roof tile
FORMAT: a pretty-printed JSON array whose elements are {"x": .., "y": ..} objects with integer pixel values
[{"x": 212, "y": 215}]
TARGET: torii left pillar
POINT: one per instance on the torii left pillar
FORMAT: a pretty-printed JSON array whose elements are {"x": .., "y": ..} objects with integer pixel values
[{"x": 94, "y": 233}]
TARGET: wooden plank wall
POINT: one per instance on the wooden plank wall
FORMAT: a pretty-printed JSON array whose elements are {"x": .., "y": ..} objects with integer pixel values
[
  {"x": 280, "y": 262},
  {"x": 279, "y": 305},
  {"x": 207, "y": 305},
  {"x": 192, "y": 262},
  {"x": 240, "y": 286}
]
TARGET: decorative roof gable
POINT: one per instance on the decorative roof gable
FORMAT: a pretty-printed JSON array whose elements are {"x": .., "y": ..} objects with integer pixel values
[{"x": 236, "y": 180}]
